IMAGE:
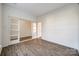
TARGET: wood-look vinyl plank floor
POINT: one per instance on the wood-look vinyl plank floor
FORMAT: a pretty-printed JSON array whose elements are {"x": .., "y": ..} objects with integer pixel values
[{"x": 38, "y": 47}]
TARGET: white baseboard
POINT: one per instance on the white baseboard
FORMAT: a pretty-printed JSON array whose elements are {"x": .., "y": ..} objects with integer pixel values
[
  {"x": 0, "y": 49},
  {"x": 0, "y": 46},
  {"x": 78, "y": 50}
]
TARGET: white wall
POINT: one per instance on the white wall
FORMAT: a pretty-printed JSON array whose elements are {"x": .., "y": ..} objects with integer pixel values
[
  {"x": 10, "y": 11},
  {"x": 0, "y": 26},
  {"x": 62, "y": 26},
  {"x": 78, "y": 23},
  {"x": 25, "y": 28}
]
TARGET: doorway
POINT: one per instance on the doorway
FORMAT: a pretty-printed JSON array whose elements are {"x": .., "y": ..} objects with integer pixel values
[
  {"x": 25, "y": 30},
  {"x": 19, "y": 30}
]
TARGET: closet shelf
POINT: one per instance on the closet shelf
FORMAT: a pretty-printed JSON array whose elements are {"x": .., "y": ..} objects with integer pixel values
[
  {"x": 13, "y": 35},
  {"x": 14, "y": 30},
  {"x": 14, "y": 24}
]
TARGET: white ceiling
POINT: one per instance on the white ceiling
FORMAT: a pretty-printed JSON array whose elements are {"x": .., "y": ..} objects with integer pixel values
[{"x": 37, "y": 9}]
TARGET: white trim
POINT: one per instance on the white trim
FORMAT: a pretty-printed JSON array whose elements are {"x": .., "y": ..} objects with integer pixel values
[
  {"x": 0, "y": 49},
  {"x": 0, "y": 46},
  {"x": 78, "y": 50}
]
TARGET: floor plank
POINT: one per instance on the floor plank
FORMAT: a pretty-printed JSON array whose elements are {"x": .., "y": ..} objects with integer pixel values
[{"x": 38, "y": 47}]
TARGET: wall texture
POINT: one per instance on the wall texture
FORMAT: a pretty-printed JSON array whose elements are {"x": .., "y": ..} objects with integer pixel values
[
  {"x": 0, "y": 26},
  {"x": 78, "y": 23},
  {"x": 10, "y": 11},
  {"x": 62, "y": 26}
]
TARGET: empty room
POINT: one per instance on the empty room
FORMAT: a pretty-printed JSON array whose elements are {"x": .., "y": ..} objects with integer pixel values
[{"x": 39, "y": 29}]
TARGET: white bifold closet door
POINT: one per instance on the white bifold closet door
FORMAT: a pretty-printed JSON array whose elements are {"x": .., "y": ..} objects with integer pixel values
[
  {"x": 36, "y": 30},
  {"x": 34, "y": 35},
  {"x": 39, "y": 29}
]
